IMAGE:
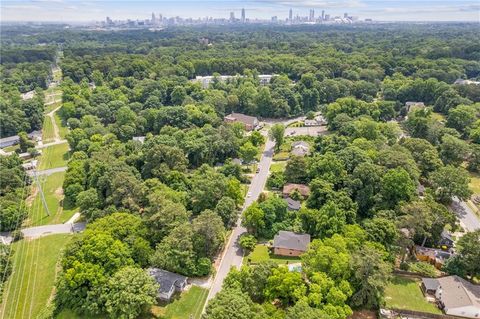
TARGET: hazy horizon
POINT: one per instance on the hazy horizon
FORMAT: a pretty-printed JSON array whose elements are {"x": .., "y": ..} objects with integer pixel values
[{"x": 85, "y": 10}]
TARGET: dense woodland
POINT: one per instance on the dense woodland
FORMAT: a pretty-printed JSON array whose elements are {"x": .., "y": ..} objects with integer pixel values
[{"x": 169, "y": 202}]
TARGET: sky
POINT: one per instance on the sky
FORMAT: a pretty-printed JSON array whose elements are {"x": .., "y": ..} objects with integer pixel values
[{"x": 93, "y": 10}]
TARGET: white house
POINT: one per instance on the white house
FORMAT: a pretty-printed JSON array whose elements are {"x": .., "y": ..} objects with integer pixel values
[{"x": 169, "y": 282}]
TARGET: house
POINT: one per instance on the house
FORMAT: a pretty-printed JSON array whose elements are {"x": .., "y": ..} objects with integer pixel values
[
  {"x": 205, "y": 81},
  {"x": 300, "y": 148},
  {"x": 288, "y": 189},
  {"x": 447, "y": 240},
  {"x": 249, "y": 122},
  {"x": 311, "y": 123},
  {"x": 287, "y": 243},
  {"x": 169, "y": 282},
  {"x": 410, "y": 105},
  {"x": 455, "y": 295},
  {"x": 420, "y": 190},
  {"x": 30, "y": 165},
  {"x": 292, "y": 204},
  {"x": 436, "y": 257},
  {"x": 321, "y": 120}
]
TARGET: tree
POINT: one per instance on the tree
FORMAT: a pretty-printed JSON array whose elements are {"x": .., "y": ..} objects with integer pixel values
[
  {"x": 453, "y": 150},
  {"x": 178, "y": 95},
  {"x": 276, "y": 133},
  {"x": 461, "y": 118},
  {"x": 129, "y": 292},
  {"x": 370, "y": 276},
  {"x": 175, "y": 252},
  {"x": 208, "y": 233},
  {"x": 449, "y": 181},
  {"x": 287, "y": 286},
  {"x": 397, "y": 186},
  {"x": 296, "y": 170},
  {"x": 253, "y": 219},
  {"x": 247, "y": 242},
  {"x": 465, "y": 262},
  {"x": 232, "y": 304},
  {"x": 248, "y": 152},
  {"x": 227, "y": 210},
  {"x": 24, "y": 142}
]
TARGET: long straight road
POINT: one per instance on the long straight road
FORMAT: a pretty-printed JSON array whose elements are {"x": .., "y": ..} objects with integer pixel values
[{"x": 233, "y": 255}]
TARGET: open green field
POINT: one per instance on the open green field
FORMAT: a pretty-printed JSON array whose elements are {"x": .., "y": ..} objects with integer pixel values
[
  {"x": 52, "y": 188},
  {"x": 48, "y": 133},
  {"x": 188, "y": 305},
  {"x": 12, "y": 148},
  {"x": 260, "y": 253},
  {"x": 405, "y": 293},
  {"x": 54, "y": 156},
  {"x": 30, "y": 287}
]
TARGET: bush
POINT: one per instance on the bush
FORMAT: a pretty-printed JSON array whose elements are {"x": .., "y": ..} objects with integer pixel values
[
  {"x": 247, "y": 242},
  {"x": 423, "y": 269}
]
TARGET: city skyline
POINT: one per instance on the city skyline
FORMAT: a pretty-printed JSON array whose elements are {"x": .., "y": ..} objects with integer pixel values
[{"x": 393, "y": 10}]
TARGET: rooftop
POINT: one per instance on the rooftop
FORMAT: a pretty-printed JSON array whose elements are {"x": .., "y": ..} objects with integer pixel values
[
  {"x": 166, "y": 279},
  {"x": 293, "y": 204},
  {"x": 291, "y": 240},
  {"x": 458, "y": 292},
  {"x": 304, "y": 190},
  {"x": 246, "y": 119}
]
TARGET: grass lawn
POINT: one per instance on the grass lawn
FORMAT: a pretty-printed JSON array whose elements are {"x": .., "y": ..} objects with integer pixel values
[
  {"x": 11, "y": 148},
  {"x": 68, "y": 314},
  {"x": 52, "y": 188},
  {"x": 189, "y": 303},
  {"x": 62, "y": 130},
  {"x": 30, "y": 287},
  {"x": 278, "y": 166},
  {"x": 48, "y": 134},
  {"x": 281, "y": 156},
  {"x": 54, "y": 156},
  {"x": 260, "y": 253},
  {"x": 474, "y": 182},
  {"x": 405, "y": 293}
]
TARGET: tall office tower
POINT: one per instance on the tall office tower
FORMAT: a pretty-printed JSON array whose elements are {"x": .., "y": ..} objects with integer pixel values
[
  {"x": 327, "y": 17},
  {"x": 160, "y": 18},
  {"x": 323, "y": 15},
  {"x": 232, "y": 16},
  {"x": 312, "y": 15},
  {"x": 243, "y": 15},
  {"x": 345, "y": 15},
  {"x": 290, "y": 15},
  {"x": 153, "y": 18}
]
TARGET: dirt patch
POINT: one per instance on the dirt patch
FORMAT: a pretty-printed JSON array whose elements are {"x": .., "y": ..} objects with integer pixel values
[
  {"x": 59, "y": 193},
  {"x": 29, "y": 200}
]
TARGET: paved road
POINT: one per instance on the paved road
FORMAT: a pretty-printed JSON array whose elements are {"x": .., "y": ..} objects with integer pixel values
[
  {"x": 48, "y": 172},
  {"x": 233, "y": 255},
  {"x": 468, "y": 219},
  {"x": 38, "y": 231}
]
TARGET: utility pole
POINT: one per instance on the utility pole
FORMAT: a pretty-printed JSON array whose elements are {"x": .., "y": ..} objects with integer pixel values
[{"x": 40, "y": 189}]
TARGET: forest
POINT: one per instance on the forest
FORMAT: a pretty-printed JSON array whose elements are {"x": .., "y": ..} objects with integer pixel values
[{"x": 170, "y": 200}]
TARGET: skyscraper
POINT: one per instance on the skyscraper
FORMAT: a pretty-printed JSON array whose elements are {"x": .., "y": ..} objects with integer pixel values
[
  {"x": 243, "y": 15},
  {"x": 153, "y": 18},
  {"x": 232, "y": 16},
  {"x": 311, "y": 16},
  {"x": 323, "y": 15},
  {"x": 290, "y": 15}
]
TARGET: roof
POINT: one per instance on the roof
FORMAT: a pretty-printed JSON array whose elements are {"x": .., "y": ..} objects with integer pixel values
[
  {"x": 304, "y": 190},
  {"x": 13, "y": 138},
  {"x": 246, "y": 119},
  {"x": 298, "y": 151},
  {"x": 411, "y": 103},
  {"x": 291, "y": 240},
  {"x": 438, "y": 254},
  {"x": 140, "y": 139},
  {"x": 302, "y": 144},
  {"x": 293, "y": 204},
  {"x": 457, "y": 292},
  {"x": 166, "y": 279},
  {"x": 430, "y": 283}
]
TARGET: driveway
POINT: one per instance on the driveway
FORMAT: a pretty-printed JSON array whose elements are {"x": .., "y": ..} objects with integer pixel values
[
  {"x": 47, "y": 172},
  {"x": 39, "y": 231},
  {"x": 468, "y": 219},
  {"x": 233, "y": 254}
]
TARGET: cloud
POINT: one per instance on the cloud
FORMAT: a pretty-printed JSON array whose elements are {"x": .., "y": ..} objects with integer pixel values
[{"x": 315, "y": 3}]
